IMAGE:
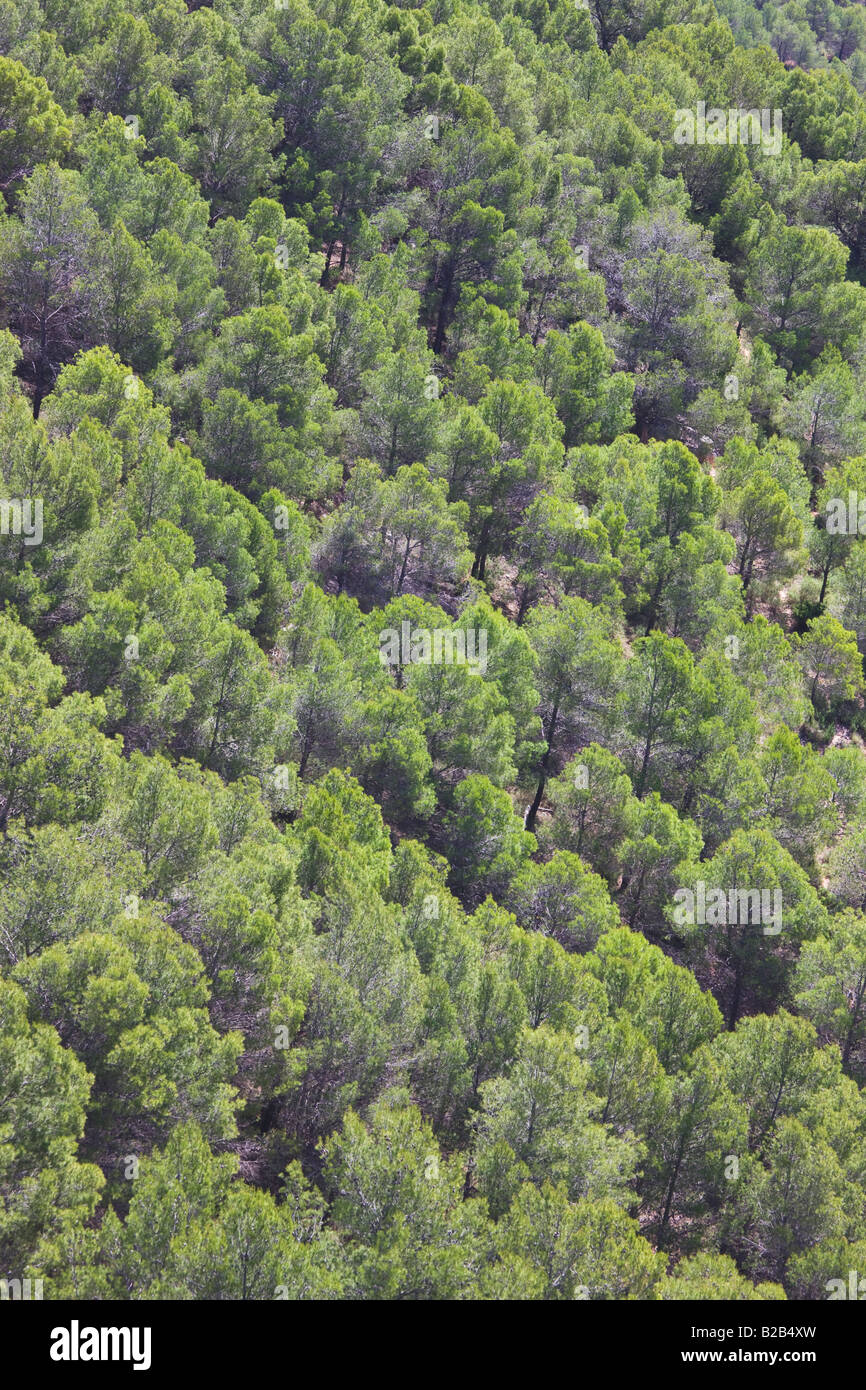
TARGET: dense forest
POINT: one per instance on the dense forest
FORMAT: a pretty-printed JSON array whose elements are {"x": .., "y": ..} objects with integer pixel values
[{"x": 432, "y": 626}]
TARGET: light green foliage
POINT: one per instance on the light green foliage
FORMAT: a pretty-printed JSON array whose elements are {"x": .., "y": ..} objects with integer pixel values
[{"x": 432, "y": 621}]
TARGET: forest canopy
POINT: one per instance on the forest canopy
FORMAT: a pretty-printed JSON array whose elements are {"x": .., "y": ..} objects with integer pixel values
[{"x": 432, "y": 627}]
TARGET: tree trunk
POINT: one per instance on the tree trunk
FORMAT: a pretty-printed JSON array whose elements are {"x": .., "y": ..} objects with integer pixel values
[
  {"x": 670, "y": 1194},
  {"x": 545, "y": 762}
]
